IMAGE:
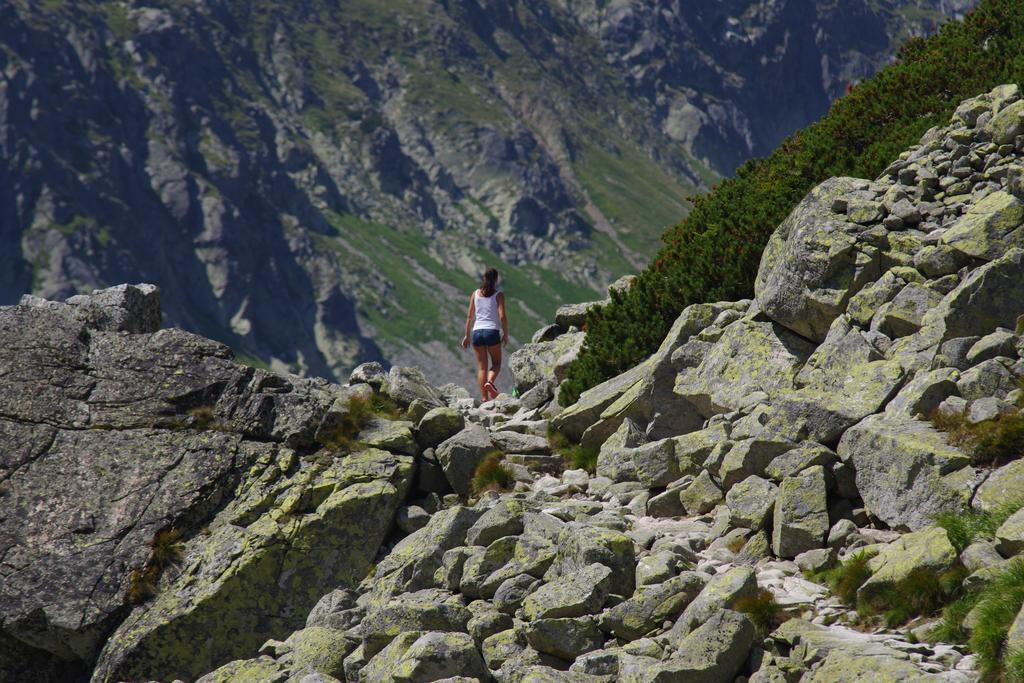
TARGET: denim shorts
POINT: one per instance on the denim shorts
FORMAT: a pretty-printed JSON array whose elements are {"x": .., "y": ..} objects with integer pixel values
[{"x": 486, "y": 337}]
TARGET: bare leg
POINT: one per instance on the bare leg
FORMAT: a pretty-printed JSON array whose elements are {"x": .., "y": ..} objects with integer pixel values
[
  {"x": 495, "y": 353},
  {"x": 481, "y": 369}
]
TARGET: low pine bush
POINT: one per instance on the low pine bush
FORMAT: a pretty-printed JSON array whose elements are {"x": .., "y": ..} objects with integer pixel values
[
  {"x": 360, "y": 410},
  {"x": 845, "y": 579},
  {"x": 714, "y": 253}
]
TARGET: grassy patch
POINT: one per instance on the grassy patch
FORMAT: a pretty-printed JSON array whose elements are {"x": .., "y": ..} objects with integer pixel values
[
  {"x": 762, "y": 609},
  {"x": 997, "y": 606},
  {"x": 575, "y": 456},
  {"x": 964, "y": 528},
  {"x": 343, "y": 437},
  {"x": 992, "y": 442},
  {"x": 846, "y": 578},
  {"x": 491, "y": 475},
  {"x": 166, "y": 551}
]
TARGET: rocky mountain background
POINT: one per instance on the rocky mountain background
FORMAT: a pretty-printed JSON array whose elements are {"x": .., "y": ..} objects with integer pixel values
[
  {"x": 317, "y": 184},
  {"x": 820, "y": 483}
]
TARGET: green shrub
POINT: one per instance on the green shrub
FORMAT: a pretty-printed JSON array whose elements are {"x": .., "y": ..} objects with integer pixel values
[
  {"x": 165, "y": 551},
  {"x": 491, "y": 475},
  {"x": 714, "y": 253},
  {"x": 846, "y": 578},
  {"x": 998, "y": 604},
  {"x": 574, "y": 455},
  {"x": 951, "y": 627},
  {"x": 922, "y": 592},
  {"x": 964, "y": 528},
  {"x": 762, "y": 609},
  {"x": 1013, "y": 667}
]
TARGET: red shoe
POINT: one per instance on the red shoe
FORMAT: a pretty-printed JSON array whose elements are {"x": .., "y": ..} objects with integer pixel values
[{"x": 491, "y": 390}]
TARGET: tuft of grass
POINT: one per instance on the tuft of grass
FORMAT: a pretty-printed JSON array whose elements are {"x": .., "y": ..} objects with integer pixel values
[
  {"x": 1013, "y": 666},
  {"x": 846, "y": 578},
  {"x": 992, "y": 442},
  {"x": 167, "y": 549},
  {"x": 762, "y": 609},
  {"x": 997, "y": 607},
  {"x": 964, "y": 528},
  {"x": 141, "y": 585},
  {"x": 345, "y": 434},
  {"x": 202, "y": 417},
  {"x": 951, "y": 628},
  {"x": 922, "y": 592},
  {"x": 491, "y": 475},
  {"x": 575, "y": 456}
]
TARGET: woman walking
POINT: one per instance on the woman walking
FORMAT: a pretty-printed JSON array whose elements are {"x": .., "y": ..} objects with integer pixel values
[{"x": 487, "y": 328}]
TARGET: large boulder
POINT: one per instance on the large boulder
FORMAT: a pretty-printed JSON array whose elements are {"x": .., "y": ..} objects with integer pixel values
[
  {"x": 460, "y": 455},
  {"x": 573, "y": 595},
  {"x": 132, "y": 441},
  {"x": 713, "y": 653},
  {"x": 989, "y": 227},
  {"x": 813, "y": 263},
  {"x": 723, "y": 591},
  {"x": 902, "y": 470},
  {"x": 535, "y": 363},
  {"x": 801, "y": 513},
  {"x": 644, "y": 392},
  {"x": 260, "y": 560},
  {"x": 927, "y": 550},
  {"x": 749, "y": 357},
  {"x": 652, "y": 605}
]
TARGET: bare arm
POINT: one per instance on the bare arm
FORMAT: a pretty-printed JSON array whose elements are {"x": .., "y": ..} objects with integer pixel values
[
  {"x": 469, "y": 320},
  {"x": 503, "y": 317}
]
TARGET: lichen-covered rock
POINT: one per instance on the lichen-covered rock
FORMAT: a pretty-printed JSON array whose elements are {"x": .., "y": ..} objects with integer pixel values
[
  {"x": 702, "y": 495},
  {"x": 801, "y": 513},
  {"x": 571, "y": 595},
  {"x": 581, "y": 545},
  {"x": 389, "y": 435},
  {"x": 424, "y": 657},
  {"x": 715, "y": 652},
  {"x": 794, "y": 461},
  {"x": 1010, "y": 535},
  {"x": 565, "y": 638},
  {"x": 925, "y": 550},
  {"x": 750, "y": 457},
  {"x": 721, "y": 592},
  {"x": 751, "y": 502},
  {"x": 247, "y": 671},
  {"x": 535, "y": 363},
  {"x": 652, "y": 605},
  {"x": 504, "y": 519},
  {"x": 900, "y": 466},
  {"x": 749, "y": 357},
  {"x": 439, "y": 424},
  {"x": 130, "y": 431},
  {"x": 319, "y": 649},
  {"x": 425, "y": 610},
  {"x": 413, "y": 562},
  {"x": 989, "y": 227},
  {"x": 320, "y": 532},
  {"x": 1001, "y": 486},
  {"x": 813, "y": 263},
  {"x": 460, "y": 455},
  {"x": 406, "y": 385}
]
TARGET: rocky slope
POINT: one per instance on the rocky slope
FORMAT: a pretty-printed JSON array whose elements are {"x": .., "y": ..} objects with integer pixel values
[
  {"x": 318, "y": 184},
  {"x": 168, "y": 513}
]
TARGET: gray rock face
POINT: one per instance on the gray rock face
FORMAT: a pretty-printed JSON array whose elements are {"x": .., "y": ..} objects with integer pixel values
[
  {"x": 460, "y": 455},
  {"x": 812, "y": 264},
  {"x": 900, "y": 466},
  {"x": 132, "y": 432},
  {"x": 801, "y": 513}
]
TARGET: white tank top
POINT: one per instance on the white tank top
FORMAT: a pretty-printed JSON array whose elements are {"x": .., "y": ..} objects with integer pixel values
[{"x": 486, "y": 311}]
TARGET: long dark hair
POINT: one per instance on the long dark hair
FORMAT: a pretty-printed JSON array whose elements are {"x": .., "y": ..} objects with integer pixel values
[{"x": 489, "y": 282}]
